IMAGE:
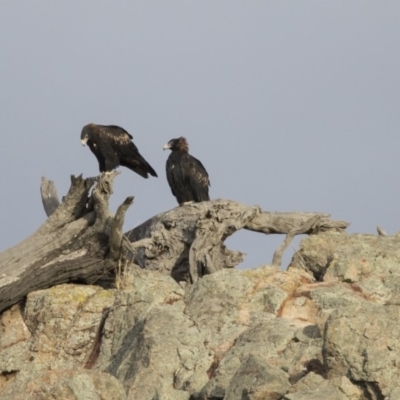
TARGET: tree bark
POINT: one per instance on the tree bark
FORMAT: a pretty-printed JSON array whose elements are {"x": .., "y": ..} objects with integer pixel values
[
  {"x": 82, "y": 241},
  {"x": 116, "y": 234},
  {"x": 49, "y": 196},
  {"x": 70, "y": 246},
  {"x": 188, "y": 241}
]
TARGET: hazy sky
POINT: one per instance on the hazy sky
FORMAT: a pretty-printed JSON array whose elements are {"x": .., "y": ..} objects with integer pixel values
[{"x": 291, "y": 105}]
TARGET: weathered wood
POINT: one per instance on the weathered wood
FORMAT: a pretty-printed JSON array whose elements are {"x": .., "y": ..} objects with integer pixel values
[
  {"x": 82, "y": 241},
  {"x": 381, "y": 231},
  {"x": 207, "y": 253},
  {"x": 116, "y": 234},
  {"x": 69, "y": 246},
  {"x": 49, "y": 196},
  {"x": 188, "y": 241},
  {"x": 301, "y": 223}
]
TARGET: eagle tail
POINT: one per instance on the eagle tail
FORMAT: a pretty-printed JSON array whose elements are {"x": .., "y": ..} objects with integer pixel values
[{"x": 140, "y": 166}]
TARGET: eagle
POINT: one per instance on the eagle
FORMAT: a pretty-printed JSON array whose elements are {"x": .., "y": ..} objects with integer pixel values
[
  {"x": 186, "y": 175},
  {"x": 113, "y": 146}
]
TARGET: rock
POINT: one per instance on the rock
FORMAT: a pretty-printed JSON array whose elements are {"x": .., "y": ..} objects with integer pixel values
[
  {"x": 313, "y": 385},
  {"x": 163, "y": 356},
  {"x": 149, "y": 343},
  {"x": 76, "y": 384},
  {"x": 309, "y": 382},
  {"x": 64, "y": 321},
  {"x": 277, "y": 342},
  {"x": 394, "y": 394},
  {"x": 327, "y": 392},
  {"x": 362, "y": 342},
  {"x": 256, "y": 379},
  {"x": 221, "y": 306},
  {"x": 324, "y": 329},
  {"x": 368, "y": 263},
  {"x": 352, "y": 391},
  {"x": 12, "y": 328}
]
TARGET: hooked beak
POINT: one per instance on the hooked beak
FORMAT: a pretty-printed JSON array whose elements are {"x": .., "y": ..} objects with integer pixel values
[
  {"x": 84, "y": 141},
  {"x": 167, "y": 146}
]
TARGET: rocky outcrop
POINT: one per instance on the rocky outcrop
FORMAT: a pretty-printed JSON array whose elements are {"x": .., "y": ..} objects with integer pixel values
[{"x": 324, "y": 329}]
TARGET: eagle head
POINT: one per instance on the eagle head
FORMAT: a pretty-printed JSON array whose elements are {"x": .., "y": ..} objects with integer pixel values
[
  {"x": 85, "y": 134},
  {"x": 179, "y": 144}
]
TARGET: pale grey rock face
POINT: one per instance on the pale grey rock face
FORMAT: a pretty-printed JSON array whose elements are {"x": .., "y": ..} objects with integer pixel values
[
  {"x": 363, "y": 343},
  {"x": 264, "y": 341},
  {"x": 257, "y": 379},
  {"x": 71, "y": 384},
  {"x": 364, "y": 261},
  {"x": 325, "y": 329},
  {"x": 57, "y": 330},
  {"x": 327, "y": 392}
]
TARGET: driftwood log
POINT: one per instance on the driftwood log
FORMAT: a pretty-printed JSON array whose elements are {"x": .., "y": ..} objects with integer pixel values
[{"x": 81, "y": 241}]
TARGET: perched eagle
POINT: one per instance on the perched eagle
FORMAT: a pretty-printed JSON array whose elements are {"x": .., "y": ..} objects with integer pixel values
[
  {"x": 187, "y": 177},
  {"x": 112, "y": 146}
]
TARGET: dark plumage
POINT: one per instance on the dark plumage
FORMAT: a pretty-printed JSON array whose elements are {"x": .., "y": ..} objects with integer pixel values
[
  {"x": 112, "y": 146},
  {"x": 187, "y": 177}
]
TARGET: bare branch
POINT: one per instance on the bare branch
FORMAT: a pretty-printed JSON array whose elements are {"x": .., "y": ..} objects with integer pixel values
[
  {"x": 115, "y": 242},
  {"x": 277, "y": 258},
  {"x": 381, "y": 231},
  {"x": 49, "y": 196}
]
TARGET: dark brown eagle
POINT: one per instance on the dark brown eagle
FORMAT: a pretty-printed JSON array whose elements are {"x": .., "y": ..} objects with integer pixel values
[
  {"x": 186, "y": 175},
  {"x": 113, "y": 146}
]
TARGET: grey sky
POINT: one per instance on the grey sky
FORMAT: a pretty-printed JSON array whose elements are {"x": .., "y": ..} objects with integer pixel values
[{"x": 293, "y": 106}]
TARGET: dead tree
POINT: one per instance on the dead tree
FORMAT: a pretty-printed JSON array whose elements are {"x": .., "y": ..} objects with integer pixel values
[
  {"x": 187, "y": 242},
  {"x": 81, "y": 241},
  {"x": 72, "y": 244}
]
